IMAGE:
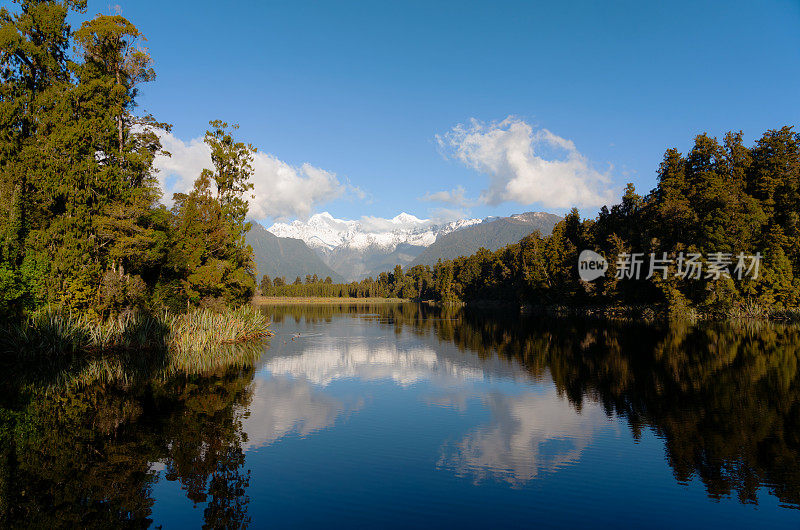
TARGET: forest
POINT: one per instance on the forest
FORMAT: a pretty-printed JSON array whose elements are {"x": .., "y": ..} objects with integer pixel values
[
  {"x": 83, "y": 228},
  {"x": 720, "y": 199}
]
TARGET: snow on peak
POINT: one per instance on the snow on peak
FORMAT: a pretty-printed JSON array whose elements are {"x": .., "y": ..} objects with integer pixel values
[
  {"x": 406, "y": 218},
  {"x": 324, "y": 232}
]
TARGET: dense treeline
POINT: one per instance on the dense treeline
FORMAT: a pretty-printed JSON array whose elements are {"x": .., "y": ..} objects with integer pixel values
[
  {"x": 81, "y": 227},
  {"x": 396, "y": 284},
  {"x": 719, "y": 198}
]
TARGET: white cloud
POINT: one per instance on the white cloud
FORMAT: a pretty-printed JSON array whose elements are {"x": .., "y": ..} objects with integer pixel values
[
  {"x": 526, "y": 165},
  {"x": 448, "y": 215},
  {"x": 455, "y": 197},
  {"x": 178, "y": 172},
  {"x": 280, "y": 190},
  {"x": 358, "y": 193}
]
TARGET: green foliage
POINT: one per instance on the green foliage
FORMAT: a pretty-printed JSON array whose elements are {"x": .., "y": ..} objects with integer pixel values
[
  {"x": 208, "y": 262},
  {"x": 232, "y": 169},
  {"x": 719, "y": 198},
  {"x": 80, "y": 225},
  {"x": 81, "y": 228},
  {"x": 265, "y": 285}
]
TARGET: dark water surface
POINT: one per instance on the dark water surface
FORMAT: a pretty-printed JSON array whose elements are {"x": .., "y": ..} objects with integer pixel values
[{"x": 404, "y": 416}]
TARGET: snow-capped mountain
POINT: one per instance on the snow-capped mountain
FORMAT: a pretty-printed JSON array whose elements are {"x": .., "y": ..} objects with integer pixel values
[
  {"x": 366, "y": 247},
  {"x": 326, "y": 233},
  {"x": 370, "y": 245}
]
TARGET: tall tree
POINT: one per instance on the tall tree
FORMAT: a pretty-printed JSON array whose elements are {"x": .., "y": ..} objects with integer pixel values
[
  {"x": 34, "y": 75},
  {"x": 221, "y": 260},
  {"x": 233, "y": 165}
]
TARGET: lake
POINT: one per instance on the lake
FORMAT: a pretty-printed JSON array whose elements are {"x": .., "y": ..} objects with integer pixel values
[{"x": 410, "y": 416}]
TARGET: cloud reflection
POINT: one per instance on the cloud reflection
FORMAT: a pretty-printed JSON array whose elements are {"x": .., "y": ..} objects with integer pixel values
[
  {"x": 529, "y": 435},
  {"x": 532, "y": 431},
  {"x": 281, "y": 406},
  {"x": 404, "y": 366}
]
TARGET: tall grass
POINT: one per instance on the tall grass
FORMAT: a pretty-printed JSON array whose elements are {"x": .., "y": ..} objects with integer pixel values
[
  {"x": 760, "y": 312},
  {"x": 61, "y": 347},
  {"x": 204, "y": 340},
  {"x": 786, "y": 315},
  {"x": 198, "y": 330}
]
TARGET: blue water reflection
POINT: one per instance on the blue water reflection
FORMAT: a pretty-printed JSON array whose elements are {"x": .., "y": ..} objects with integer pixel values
[{"x": 360, "y": 419}]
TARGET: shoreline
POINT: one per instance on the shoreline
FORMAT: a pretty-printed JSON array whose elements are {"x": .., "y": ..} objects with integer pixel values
[
  {"x": 646, "y": 312},
  {"x": 323, "y": 300},
  {"x": 55, "y": 348}
]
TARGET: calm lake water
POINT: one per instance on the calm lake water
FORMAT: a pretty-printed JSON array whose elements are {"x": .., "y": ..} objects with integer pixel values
[{"x": 405, "y": 416}]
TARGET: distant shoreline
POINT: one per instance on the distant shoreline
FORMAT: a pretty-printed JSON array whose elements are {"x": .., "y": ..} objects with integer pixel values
[
  {"x": 322, "y": 300},
  {"x": 639, "y": 313}
]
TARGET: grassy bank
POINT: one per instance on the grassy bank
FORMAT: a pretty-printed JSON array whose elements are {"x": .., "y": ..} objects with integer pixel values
[
  {"x": 59, "y": 347},
  {"x": 283, "y": 300}
]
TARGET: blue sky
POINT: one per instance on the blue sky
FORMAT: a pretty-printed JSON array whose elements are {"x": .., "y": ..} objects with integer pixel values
[{"x": 361, "y": 91}]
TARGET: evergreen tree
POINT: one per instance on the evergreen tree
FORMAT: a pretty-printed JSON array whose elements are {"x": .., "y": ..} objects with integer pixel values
[
  {"x": 266, "y": 284},
  {"x": 34, "y": 77},
  {"x": 208, "y": 253}
]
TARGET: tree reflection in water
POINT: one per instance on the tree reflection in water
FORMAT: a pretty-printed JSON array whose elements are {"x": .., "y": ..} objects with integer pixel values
[
  {"x": 83, "y": 457},
  {"x": 724, "y": 398}
]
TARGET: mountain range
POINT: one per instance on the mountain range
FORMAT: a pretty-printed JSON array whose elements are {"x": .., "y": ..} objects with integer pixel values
[
  {"x": 369, "y": 246},
  {"x": 492, "y": 234},
  {"x": 284, "y": 256},
  {"x": 355, "y": 249}
]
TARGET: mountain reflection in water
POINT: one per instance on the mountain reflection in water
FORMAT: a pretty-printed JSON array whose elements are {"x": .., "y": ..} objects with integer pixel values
[
  {"x": 529, "y": 433},
  {"x": 723, "y": 397},
  {"x": 419, "y": 400}
]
